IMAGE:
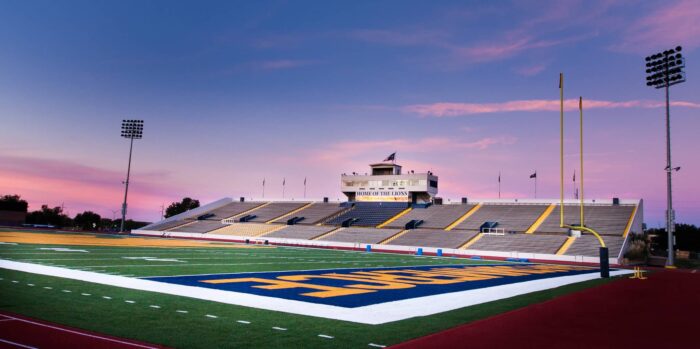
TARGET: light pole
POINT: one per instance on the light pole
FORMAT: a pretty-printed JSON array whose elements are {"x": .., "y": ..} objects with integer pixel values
[
  {"x": 131, "y": 129},
  {"x": 665, "y": 69}
]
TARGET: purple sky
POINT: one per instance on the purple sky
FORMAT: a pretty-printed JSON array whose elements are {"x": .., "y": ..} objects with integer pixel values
[{"x": 232, "y": 93}]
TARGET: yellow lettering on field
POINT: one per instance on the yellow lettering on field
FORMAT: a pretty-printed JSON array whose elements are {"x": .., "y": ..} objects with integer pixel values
[
  {"x": 276, "y": 284},
  {"x": 380, "y": 284}
]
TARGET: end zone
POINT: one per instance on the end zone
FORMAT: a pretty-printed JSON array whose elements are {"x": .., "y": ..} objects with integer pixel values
[{"x": 440, "y": 281}]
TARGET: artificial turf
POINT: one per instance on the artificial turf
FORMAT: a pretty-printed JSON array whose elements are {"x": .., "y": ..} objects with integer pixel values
[{"x": 194, "y": 329}]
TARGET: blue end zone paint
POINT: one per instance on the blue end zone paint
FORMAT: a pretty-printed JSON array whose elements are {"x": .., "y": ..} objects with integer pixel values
[{"x": 357, "y": 300}]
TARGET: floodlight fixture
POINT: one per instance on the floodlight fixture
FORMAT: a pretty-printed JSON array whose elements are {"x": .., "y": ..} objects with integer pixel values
[
  {"x": 131, "y": 129},
  {"x": 665, "y": 69}
]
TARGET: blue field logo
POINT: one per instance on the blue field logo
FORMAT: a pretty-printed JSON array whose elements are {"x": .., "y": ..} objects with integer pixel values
[{"x": 365, "y": 286}]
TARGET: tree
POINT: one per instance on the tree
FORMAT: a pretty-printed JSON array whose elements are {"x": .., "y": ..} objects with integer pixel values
[
  {"x": 179, "y": 207},
  {"x": 87, "y": 220},
  {"x": 687, "y": 237},
  {"x": 13, "y": 203},
  {"x": 51, "y": 216}
]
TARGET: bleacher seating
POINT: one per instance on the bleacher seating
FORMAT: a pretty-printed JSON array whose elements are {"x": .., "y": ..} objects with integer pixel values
[
  {"x": 231, "y": 209},
  {"x": 434, "y": 238},
  {"x": 588, "y": 245},
  {"x": 520, "y": 243},
  {"x": 274, "y": 210},
  {"x": 247, "y": 229},
  {"x": 304, "y": 232},
  {"x": 604, "y": 219},
  {"x": 170, "y": 224},
  {"x": 360, "y": 235},
  {"x": 512, "y": 217},
  {"x": 434, "y": 216},
  {"x": 199, "y": 226},
  {"x": 370, "y": 214},
  {"x": 315, "y": 213}
]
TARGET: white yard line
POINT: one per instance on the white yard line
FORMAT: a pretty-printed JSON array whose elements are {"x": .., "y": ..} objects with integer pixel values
[
  {"x": 279, "y": 328},
  {"x": 376, "y": 345},
  {"x": 211, "y": 316},
  {"x": 243, "y": 322},
  {"x": 182, "y": 311},
  {"x": 326, "y": 336}
]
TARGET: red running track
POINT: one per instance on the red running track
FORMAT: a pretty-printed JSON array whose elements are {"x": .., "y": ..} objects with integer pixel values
[
  {"x": 660, "y": 312},
  {"x": 22, "y": 332}
]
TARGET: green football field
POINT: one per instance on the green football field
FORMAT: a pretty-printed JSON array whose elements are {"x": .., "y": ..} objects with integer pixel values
[{"x": 178, "y": 321}]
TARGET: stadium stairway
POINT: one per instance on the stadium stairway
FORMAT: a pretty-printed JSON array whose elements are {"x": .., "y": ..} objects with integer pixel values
[
  {"x": 464, "y": 217},
  {"x": 541, "y": 219},
  {"x": 510, "y": 217},
  {"x": 393, "y": 237},
  {"x": 395, "y": 217}
]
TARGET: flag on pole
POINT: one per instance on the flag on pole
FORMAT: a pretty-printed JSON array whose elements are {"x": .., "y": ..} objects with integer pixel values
[
  {"x": 284, "y": 181},
  {"x": 534, "y": 175},
  {"x": 499, "y": 177},
  {"x": 574, "y": 176},
  {"x": 263, "y": 182},
  {"x": 304, "y": 180},
  {"x": 580, "y": 103},
  {"x": 391, "y": 157},
  {"x": 561, "y": 80}
]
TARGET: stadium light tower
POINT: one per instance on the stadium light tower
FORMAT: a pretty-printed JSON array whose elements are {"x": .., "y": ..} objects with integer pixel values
[
  {"x": 131, "y": 129},
  {"x": 665, "y": 69}
]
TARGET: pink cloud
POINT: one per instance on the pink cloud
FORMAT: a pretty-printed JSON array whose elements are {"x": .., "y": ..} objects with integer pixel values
[
  {"x": 535, "y": 105},
  {"x": 668, "y": 25},
  {"x": 531, "y": 70},
  {"x": 352, "y": 149},
  {"x": 81, "y": 187}
]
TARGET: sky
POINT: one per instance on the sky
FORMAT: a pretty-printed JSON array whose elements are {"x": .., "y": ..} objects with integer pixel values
[{"x": 234, "y": 92}]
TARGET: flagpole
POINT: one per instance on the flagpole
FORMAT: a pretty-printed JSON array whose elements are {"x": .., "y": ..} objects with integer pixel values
[
  {"x": 263, "y": 194},
  {"x": 580, "y": 108},
  {"x": 535, "y": 184},
  {"x": 561, "y": 148},
  {"x": 499, "y": 184},
  {"x": 284, "y": 183},
  {"x": 304, "y": 187}
]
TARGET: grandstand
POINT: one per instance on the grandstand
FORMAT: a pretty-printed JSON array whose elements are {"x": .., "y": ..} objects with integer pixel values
[
  {"x": 300, "y": 232},
  {"x": 368, "y": 214},
  {"x": 588, "y": 245},
  {"x": 272, "y": 210},
  {"x": 509, "y": 217},
  {"x": 433, "y": 238},
  {"x": 433, "y": 216},
  {"x": 399, "y": 212},
  {"x": 360, "y": 235},
  {"x": 315, "y": 213},
  {"x": 199, "y": 226},
  {"x": 545, "y": 244},
  {"x": 604, "y": 218},
  {"x": 247, "y": 229}
]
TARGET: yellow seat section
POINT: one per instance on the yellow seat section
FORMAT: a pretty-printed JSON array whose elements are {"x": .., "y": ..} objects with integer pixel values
[{"x": 247, "y": 229}]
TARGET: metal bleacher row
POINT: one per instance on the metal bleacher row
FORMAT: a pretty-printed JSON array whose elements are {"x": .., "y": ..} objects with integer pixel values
[
  {"x": 434, "y": 216},
  {"x": 322, "y": 221},
  {"x": 514, "y": 217},
  {"x": 369, "y": 213}
]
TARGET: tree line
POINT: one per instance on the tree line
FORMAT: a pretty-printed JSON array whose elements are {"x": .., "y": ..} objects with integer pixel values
[{"x": 87, "y": 220}]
